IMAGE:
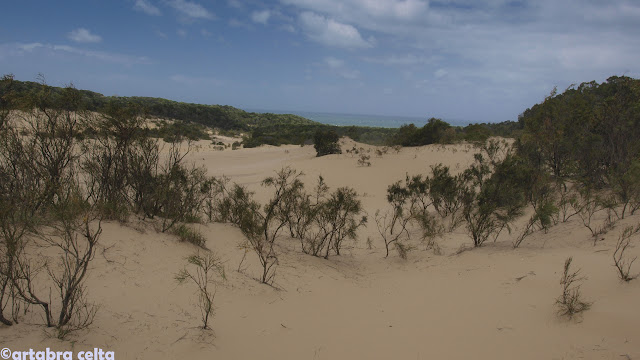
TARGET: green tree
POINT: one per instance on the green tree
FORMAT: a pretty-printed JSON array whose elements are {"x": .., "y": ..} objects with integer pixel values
[{"x": 326, "y": 142}]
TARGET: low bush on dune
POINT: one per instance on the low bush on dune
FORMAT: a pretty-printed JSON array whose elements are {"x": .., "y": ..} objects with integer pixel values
[
  {"x": 486, "y": 197},
  {"x": 571, "y": 303},
  {"x": 43, "y": 203},
  {"x": 321, "y": 220},
  {"x": 409, "y": 204},
  {"x": 202, "y": 271},
  {"x": 56, "y": 187},
  {"x": 621, "y": 262},
  {"x": 187, "y": 234}
]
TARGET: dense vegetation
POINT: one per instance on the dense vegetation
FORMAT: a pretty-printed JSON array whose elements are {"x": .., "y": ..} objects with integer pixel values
[
  {"x": 266, "y": 128},
  {"x": 259, "y": 128},
  {"x": 576, "y": 154},
  {"x": 326, "y": 142},
  {"x": 589, "y": 133},
  {"x": 436, "y": 131}
]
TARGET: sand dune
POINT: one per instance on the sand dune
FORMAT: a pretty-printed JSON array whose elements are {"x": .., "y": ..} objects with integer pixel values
[{"x": 488, "y": 303}]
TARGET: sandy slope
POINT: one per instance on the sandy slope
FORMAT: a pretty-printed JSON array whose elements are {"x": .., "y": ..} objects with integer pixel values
[{"x": 488, "y": 303}]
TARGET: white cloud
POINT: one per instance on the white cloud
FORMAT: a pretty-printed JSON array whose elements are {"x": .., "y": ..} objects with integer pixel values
[
  {"x": 236, "y": 4},
  {"x": 161, "y": 34},
  {"x": 147, "y": 7},
  {"x": 100, "y": 55},
  {"x": 191, "y": 10},
  {"x": 18, "y": 49},
  {"x": 377, "y": 15},
  {"x": 334, "y": 63},
  {"x": 332, "y": 33},
  {"x": 261, "y": 17},
  {"x": 440, "y": 73},
  {"x": 288, "y": 28},
  {"x": 205, "y": 33},
  {"x": 43, "y": 50},
  {"x": 83, "y": 35},
  {"x": 30, "y": 47},
  {"x": 182, "y": 32},
  {"x": 402, "y": 60},
  {"x": 195, "y": 80},
  {"x": 339, "y": 68},
  {"x": 238, "y": 24}
]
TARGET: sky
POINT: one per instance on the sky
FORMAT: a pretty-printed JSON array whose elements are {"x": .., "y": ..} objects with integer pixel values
[{"x": 463, "y": 60}]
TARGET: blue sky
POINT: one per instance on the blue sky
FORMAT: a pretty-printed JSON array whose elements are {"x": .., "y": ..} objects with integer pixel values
[{"x": 453, "y": 59}]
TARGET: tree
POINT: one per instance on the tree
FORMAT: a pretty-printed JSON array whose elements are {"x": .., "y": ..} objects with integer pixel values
[{"x": 326, "y": 142}]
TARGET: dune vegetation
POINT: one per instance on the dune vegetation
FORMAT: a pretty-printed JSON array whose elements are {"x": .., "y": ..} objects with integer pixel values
[{"x": 81, "y": 174}]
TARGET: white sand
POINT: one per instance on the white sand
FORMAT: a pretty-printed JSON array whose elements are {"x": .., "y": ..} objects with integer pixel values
[{"x": 487, "y": 303}]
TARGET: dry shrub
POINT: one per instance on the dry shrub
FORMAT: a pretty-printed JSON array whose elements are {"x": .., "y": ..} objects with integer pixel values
[
  {"x": 571, "y": 302},
  {"x": 620, "y": 261},
  {"x": 204, "y": 269}
]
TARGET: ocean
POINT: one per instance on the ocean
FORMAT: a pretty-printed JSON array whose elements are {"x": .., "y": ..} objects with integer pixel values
[{"x": 360, "y": 119}]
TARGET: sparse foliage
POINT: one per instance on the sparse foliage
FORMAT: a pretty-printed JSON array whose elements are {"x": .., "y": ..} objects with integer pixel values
[
  {"x": 364, "y": 160},
  {"x": 262, "y": 227},
  {"x": 392, "y": 226},
  {"x": 570, "y": 302},
  {"x": 203, "y": 272},
  {"x": 620, "y": 261}
]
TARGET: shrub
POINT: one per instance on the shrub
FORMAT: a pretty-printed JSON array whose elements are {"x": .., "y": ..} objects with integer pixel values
[
  {"x": 492, "y": 198},
  {"x": 445, "y": 190},
  {"x": 40, "y": 189},
  {"x": 143, "y": 179},
  {"x": 540, "y": 193},
  {"x": 433, "y": 132},
  {"x": 589, "y": 204},
  {"x": 622, "y": 264},
  {"x": 262, "y": 227},
  {"x": 107, "y": 161},
  {"x": 337, "y": 218},
  {"x": 178, "y": 193},
  {"x": 230, "y": 203},
  {"x": 364, "y": 160},
  {"x": 203, "y": 276},
  {"x": 184, "y": 233},
  {"x": 21, "y": 203},
  {"x": 570, "y": 301},
  {"x": 392, "y": 226},
  {"x": 409, "y": 204},
  {"x": 75, "y": 239},
  {"x": 326, "y": 142}
]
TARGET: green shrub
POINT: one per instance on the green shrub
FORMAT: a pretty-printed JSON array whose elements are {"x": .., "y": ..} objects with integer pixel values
[
  {"x": 493, "y": 197},
  {"x": 185, "y": 233},
  {"x": 326, "y": 142}
]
